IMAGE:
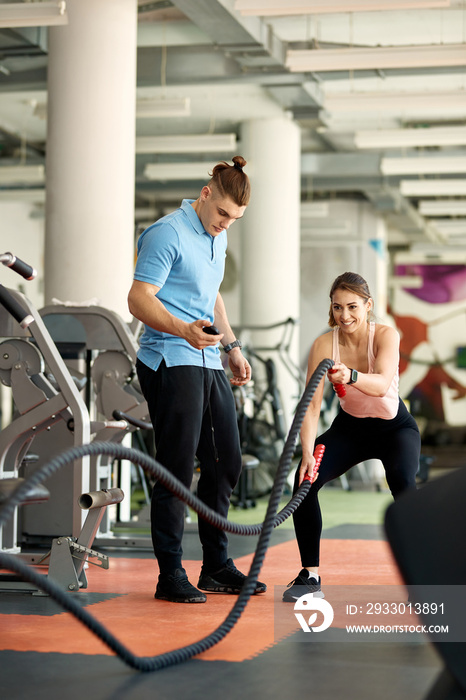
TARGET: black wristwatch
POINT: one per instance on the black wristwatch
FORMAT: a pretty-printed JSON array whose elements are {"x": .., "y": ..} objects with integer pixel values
[
  {"x": 234, "y": 344},
  {"x": 353, "y": 376}
]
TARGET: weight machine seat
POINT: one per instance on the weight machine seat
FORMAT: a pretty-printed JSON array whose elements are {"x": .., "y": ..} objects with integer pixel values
[
  {"x": 426, "y": 530},
  {"x": 249, "y": 462},
  {"x": 36, "y": 494}
]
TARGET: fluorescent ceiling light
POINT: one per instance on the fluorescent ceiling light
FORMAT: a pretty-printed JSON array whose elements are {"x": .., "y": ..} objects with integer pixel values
[
  {"x": 33, "y": 14},
  {"x": 442, "y": 207},
  {"x": 200, "y": 143},
  {"x": 421, "y": 166},
  {"x": 326, "y": 227},
  {"x": 314, "y": 210},
  {"x": 270, "y": 8},
  {"x": 433, "y": 188},
  {"x": 430, "y": 256},
  {"x": 163, "y": 172},
  {"x": 411, "y": 138},
  {"x": 144, "y": 108},
  {"x": 23, "y": 195},
  {"x": 451, "y": 227},
  {"x": 21, "y": 174},
  {"x": 332, "y": 240},
  {"x": 379, "y": 58},
  {"x": 411, "y": 281},
  {"x": 163, "y": 108},
  {"x": 395, "y": 101}
]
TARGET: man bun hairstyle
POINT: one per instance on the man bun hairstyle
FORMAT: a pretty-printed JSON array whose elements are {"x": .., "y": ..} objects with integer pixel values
[
  {"x": 231, "y": 181},
  {"x": 350, "y": 282}
]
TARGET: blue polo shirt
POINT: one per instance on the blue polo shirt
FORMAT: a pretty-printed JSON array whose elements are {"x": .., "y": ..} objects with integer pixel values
[{"x": 188, "y": 264}]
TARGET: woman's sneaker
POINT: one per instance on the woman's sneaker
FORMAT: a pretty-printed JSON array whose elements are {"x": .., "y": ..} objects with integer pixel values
[
  {"x": 226, "y": 580},
  {"x": 176, "y": 588},
  {"x": 302, "y": 584}
]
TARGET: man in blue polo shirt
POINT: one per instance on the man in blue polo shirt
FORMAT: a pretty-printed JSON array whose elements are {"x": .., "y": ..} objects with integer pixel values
[{"x": 175, "y": 293}]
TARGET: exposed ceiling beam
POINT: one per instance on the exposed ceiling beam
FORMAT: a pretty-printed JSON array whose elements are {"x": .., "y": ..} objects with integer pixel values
[
  {"x": 401, "y": 214},
  {"x": 423, "y": 165},
  {"x": 391, "y": 101},
  {"x": 271, "y": 8},
  {"x": 22, "y": 174},
  {"x": 380, "y": 58},
  {"x": 228, "y": 30},
  {"x": 447, "y": 187},
  {"x": 187, "y": 143},
  {"x": 451, "y": 227},
  {"x": 33, "y": 14},
  {"x": 411, "y": 138},
  {"x": 170, "y": 172},
  {"x": 442, "y": 207}
]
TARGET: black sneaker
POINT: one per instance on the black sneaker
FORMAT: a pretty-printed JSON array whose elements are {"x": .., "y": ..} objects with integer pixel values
[
  {"x": 226, "y": 580},
  {"x": 300, "y": 585},
  {"x": 176, "y": 588}
]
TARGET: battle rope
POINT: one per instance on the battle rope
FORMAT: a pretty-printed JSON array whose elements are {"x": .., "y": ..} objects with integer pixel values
[
  {"x": 69, "y": 603},
  {"x": 159, "y": 472}
]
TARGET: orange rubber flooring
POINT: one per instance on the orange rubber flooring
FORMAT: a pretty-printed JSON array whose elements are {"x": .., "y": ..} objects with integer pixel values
[
  {"x": 149, "y": 627},
  {"x": 60, "y": 655}
]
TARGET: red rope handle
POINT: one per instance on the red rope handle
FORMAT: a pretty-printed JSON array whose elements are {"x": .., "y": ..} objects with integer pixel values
[
  {"x": 339, "y": 388},
  {"x": 318, "y": 454}
]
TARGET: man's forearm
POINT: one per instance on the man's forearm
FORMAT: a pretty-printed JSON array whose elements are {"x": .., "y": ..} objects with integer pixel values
[{"x": 221, "y": 321}]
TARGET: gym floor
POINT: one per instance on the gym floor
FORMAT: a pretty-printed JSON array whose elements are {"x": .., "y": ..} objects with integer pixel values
[{"x": 46, "y": 653}]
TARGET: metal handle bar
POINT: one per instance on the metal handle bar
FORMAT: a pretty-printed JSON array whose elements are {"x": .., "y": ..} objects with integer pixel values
[
  {"x": 19, "y": 266},
  {"x": 16, "y": 310},
  {"x": 119, "y": 415}
]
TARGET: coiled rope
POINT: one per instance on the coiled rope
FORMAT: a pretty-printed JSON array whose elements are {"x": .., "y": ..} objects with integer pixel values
[{"x": 271, "y": 520}]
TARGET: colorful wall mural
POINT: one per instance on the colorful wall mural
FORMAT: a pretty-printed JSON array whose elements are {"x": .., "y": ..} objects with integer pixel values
[{"x": 431, "y": 319}]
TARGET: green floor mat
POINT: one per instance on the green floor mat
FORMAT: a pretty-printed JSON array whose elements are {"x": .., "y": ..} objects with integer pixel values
[{"x": 338, "y": 506}]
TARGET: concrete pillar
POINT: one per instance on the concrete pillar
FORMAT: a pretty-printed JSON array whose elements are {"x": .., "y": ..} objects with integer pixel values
[
  {"x": 91, "y": 154},
  {"x": 271, "y": 240}
]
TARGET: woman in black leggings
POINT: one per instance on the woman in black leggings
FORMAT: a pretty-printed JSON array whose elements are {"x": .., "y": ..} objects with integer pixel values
[{"x": 372, "y": 423}]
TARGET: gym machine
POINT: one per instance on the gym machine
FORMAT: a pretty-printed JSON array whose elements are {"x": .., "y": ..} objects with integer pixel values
[
  {"x": 44, "y": 395},
  {"x": 45, "y": 400},
  {"x": 50, "y": 414},
  {"x": 68, "y": 556},
  {"x": 103, "y": 347}
]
